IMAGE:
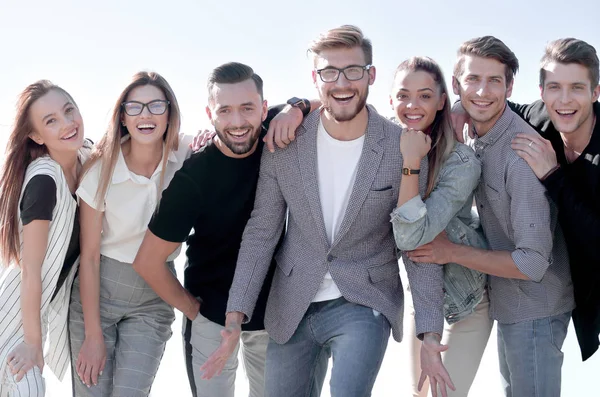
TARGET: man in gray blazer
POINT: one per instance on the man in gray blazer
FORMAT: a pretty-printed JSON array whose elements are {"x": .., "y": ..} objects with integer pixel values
[{"x": 336, "y": 290}]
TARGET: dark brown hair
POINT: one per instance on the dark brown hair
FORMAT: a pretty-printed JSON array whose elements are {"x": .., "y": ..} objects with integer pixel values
[
  {"x": 442, "y": 133},
  {"x": 571, "y": 50},
  {"x": 232, "y": 73},
  {"x": 488, "y": 47}
]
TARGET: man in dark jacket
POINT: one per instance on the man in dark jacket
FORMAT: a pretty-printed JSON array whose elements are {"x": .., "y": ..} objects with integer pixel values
[{"x": 567, "y": 162}]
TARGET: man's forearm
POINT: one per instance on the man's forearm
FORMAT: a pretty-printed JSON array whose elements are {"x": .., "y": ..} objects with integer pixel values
[
  {"x": 150, "y": 262},
  {"x": 158, "y": 276},
  {"x": 234, "y": 319},
  {"x": 495, "y": 263}
]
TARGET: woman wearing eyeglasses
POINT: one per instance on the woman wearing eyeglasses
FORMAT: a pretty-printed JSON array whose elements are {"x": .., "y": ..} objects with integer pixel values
[{"x": 118, "y": 325}]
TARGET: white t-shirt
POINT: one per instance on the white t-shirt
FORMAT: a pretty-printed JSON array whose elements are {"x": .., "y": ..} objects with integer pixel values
[
  {"x": 130, "y": 202},
  {"x": 337, "y": 162}
]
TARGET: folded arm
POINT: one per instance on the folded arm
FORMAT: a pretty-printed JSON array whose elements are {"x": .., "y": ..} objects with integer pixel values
[{"x": 417, "y": 222}]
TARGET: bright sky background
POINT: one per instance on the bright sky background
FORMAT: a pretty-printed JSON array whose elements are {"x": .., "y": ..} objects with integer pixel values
[{"x": 92, "y": 48}]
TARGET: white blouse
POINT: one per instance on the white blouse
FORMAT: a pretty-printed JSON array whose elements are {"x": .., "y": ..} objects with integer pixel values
[{"x": 130, "y": 202}]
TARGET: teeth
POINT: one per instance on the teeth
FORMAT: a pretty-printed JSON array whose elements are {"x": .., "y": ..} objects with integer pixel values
[
  {"x": 141, "y": 126},
  {"x": 413, "y": 117},
  {"x": 71, "y": 135},
  {"x": 565, "y": 112},
  {"x": 238, "y": 133},
  {"x": 479, "y": 103},
  {"x": 343, "y": 96}
]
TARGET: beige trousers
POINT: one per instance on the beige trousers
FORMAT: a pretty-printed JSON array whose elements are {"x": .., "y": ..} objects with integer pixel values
[{"x": 466, "y": 342}]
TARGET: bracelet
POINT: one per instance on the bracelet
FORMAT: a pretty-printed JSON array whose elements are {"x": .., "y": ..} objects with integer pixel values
[{"x": 557, "y": 166}]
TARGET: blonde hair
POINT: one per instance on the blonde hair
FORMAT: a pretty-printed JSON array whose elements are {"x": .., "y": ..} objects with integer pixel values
[
  {"x": 345, "y": 36},
  {"x": 109, "y": 146},
  {"x": 442, "y": 133}
]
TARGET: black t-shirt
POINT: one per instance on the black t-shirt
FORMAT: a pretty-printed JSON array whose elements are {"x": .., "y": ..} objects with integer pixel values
[
  {"x": 575, "y": 188},
  {"x": 38, "y": 202},
  {"x": 214, "y": 195}
]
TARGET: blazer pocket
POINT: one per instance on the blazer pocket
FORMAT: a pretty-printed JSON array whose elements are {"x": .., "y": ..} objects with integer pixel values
[
  {"x": 384, "y": 193},
  {"x": 285, "y": 265},
  {"x": 492, "y": 193},
  {"x": 380, "y": 273}
]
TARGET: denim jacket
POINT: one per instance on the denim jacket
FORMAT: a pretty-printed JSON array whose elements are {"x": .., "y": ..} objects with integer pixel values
[{"x": 448, "y": 208}]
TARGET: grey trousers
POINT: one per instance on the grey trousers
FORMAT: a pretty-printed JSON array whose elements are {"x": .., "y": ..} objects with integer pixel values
[
  {"x": 136, "y": 324},
  {"x": 201, "y": 338}
]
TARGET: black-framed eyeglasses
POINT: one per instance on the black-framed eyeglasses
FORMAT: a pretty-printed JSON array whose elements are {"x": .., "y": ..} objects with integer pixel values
[
  {"x": 156, "y": 107},
  {"x": 352, "y": 73}
]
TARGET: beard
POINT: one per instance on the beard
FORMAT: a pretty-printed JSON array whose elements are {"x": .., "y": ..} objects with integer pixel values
[
  {"x": 240, "y": 147},
  {"x": 341, "y": 116}
]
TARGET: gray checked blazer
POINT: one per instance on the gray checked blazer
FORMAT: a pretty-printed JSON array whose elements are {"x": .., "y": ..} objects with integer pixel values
[{"x": 362, "y": 260}]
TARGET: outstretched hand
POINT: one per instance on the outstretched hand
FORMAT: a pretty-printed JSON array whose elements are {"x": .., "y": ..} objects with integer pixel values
[
  {"x": 216, "y": 362},
  {"x": 432, "y": 366}
]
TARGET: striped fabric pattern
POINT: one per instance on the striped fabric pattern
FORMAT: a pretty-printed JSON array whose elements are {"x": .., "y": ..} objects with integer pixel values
[{"x": 54, "y": 313}]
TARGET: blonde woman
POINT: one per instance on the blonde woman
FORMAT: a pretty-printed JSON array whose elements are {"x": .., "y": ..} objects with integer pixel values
[
  {"x": 39, "y": 236},
  {"x": 118, "y": 325}
]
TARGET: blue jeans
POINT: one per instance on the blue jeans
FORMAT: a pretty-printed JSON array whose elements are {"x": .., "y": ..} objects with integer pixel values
[
  {"x": 356, "y": 336},
  {"x": 531, "y": 357}
]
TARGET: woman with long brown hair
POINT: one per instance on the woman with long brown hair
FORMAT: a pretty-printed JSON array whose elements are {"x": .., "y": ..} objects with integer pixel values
[
  {"x": 420, "y": 100},
  {"x": 118, "y": 325},
  {"x": 39, "y": 236}
]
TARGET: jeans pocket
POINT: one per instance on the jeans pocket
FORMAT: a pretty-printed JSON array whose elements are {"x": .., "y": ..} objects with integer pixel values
[{"x": 558, "y": 329}]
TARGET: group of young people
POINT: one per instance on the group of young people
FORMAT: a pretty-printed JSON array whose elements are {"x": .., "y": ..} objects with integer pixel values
[{"x": 295, "y": 249}]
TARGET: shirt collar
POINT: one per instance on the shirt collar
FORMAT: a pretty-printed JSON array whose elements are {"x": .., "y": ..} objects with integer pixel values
[
  {"x": 498, "y": 128},
  {"x": 121, "y": 172}
]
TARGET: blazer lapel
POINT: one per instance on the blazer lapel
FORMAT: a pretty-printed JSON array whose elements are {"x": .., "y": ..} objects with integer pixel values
[
  {"x": 368, "y": 166},
  {"x": 307, "y": 157}
]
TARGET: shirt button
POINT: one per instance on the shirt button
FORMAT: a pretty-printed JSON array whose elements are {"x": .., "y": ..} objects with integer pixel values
[
  {"x": 330, "y": 258},
  {"x": 481, "y": 206}
]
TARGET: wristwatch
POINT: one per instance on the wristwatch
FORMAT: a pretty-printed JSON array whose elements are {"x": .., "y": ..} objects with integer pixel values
[
  {"x": 408, "y": 171},
  {"x": 300, "y": 103}
]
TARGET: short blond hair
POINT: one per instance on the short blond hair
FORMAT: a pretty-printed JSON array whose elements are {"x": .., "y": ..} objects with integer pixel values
[{"x": 345, "y": 36}]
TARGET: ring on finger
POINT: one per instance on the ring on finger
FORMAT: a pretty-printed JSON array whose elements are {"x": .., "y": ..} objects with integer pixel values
[{"x": 530, "y": 143}]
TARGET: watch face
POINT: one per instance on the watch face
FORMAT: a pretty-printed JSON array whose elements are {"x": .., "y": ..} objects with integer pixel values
[
  {"x": 294, "y": 101},
  {"x": 405, "y": 171}
]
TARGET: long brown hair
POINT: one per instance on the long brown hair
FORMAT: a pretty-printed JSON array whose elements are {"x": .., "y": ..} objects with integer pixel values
[
  {"x": 442, "y": 133},
  {"x": 108, "y": 147},
  {"x": 21, "y": 150}
]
